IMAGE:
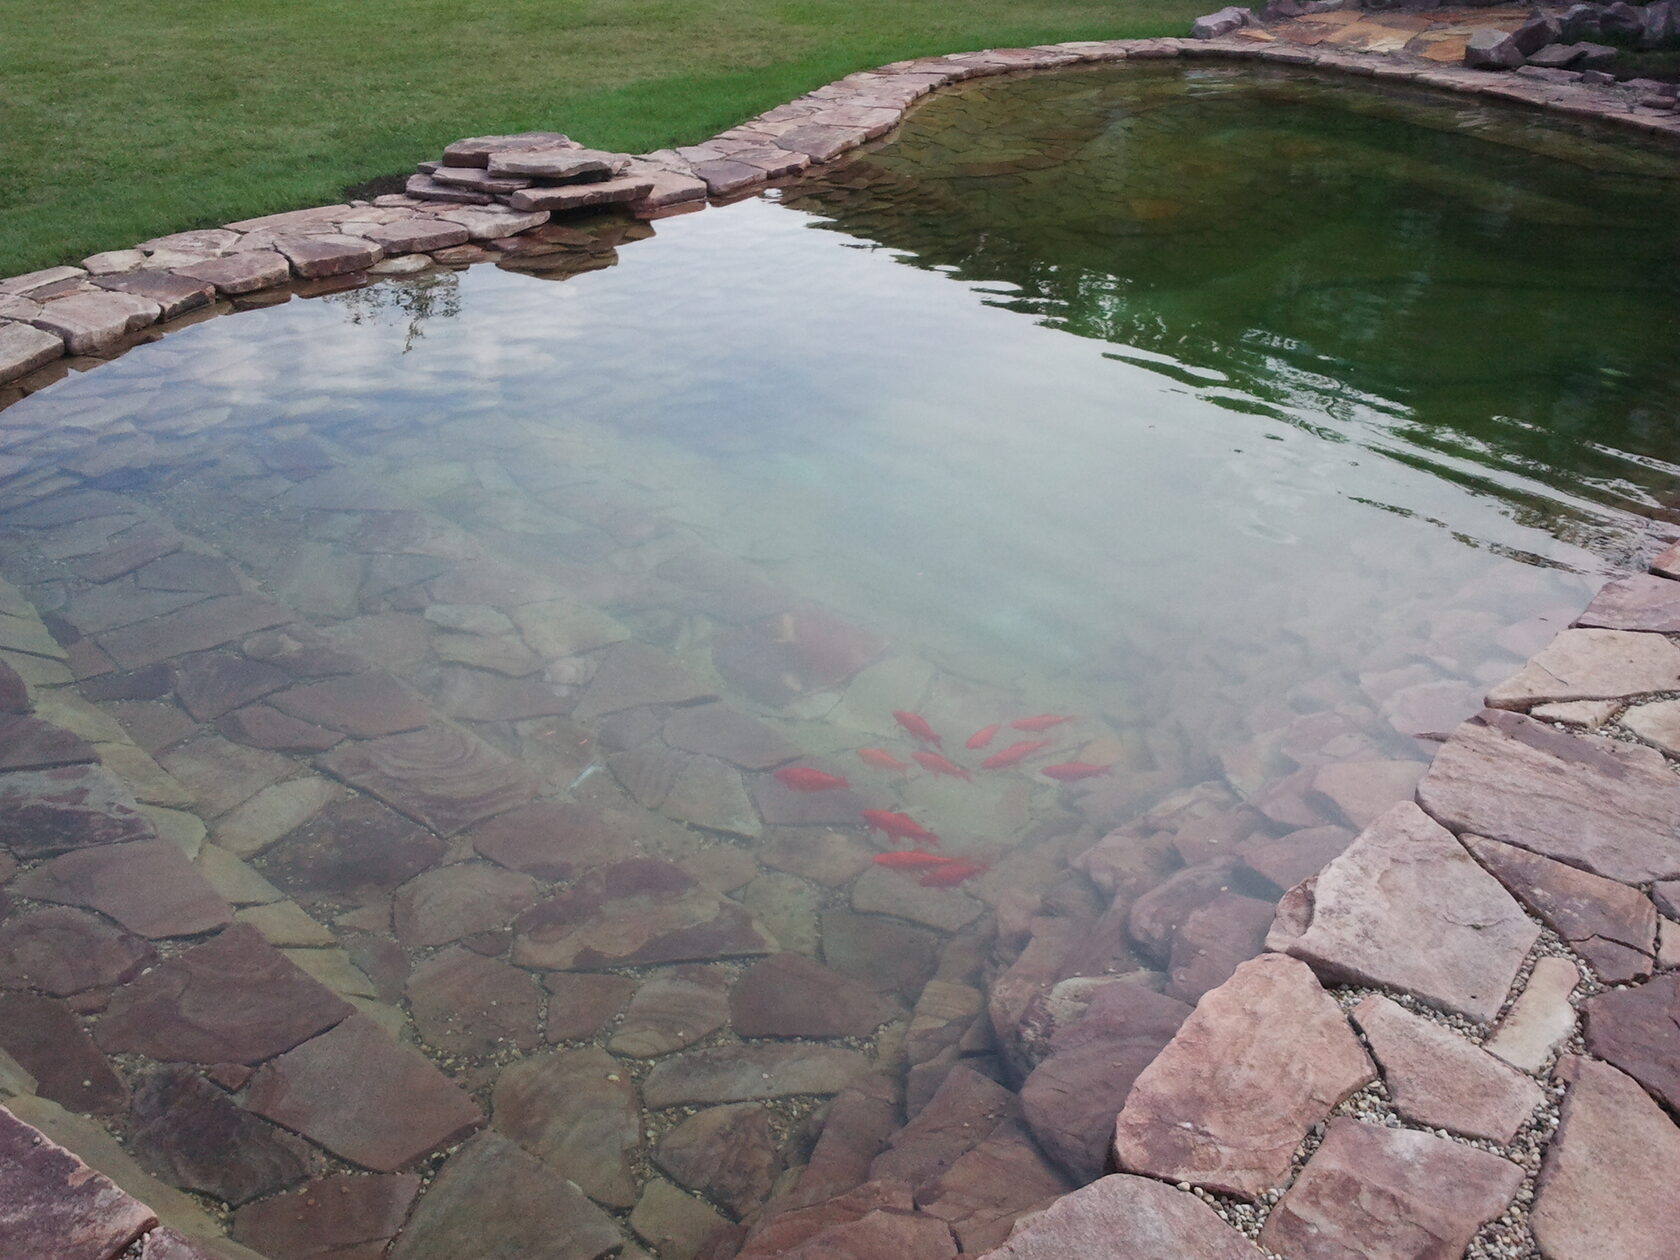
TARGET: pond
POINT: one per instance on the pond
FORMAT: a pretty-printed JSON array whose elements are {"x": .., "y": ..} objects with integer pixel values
[{"x": 1253, "y": 421}]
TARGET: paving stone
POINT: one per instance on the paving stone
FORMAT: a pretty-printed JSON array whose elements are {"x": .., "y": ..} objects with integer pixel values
[
  {"x": 110, "y": 606},
  {"x": 48, "y": 1040},
  {"x": 1157, "y": 915},
  {"x": 61, "y": 951},
  {"x": 285, "y": 923},
  {"x": 206, "y": 624},
  {"x": 303, "y": 651},
  {"x": 43, "y": 812},
  {"x": 1362, "y": 791},
  {"x": 24, "y": 348},
  {"x": 830, "y": 858},
  {"x": 1389, "y": 1194},
  {"x": 56, "y": 1205},
  {"x": 788, "y": 909},
  {"x": 1214, "y": 938},
  {"x": 496, "y": 1202},
  {"x": 789, "y": 995},
  {"x": 576, "y": 1111},
  {"x": 1541, "y": 1018},
  {"x": 882, "y": 891},
  {"x": 677, "y": 1224},
  {"x": 174, "y": 294},
  {"x": 633, "y": 674},
  {"x": 263, "y": 726},
  {"x": 451, "y": 902},
  {"x": 556, "y": 629},
  {"x": 168, "y": 1244},
  {"x": 579, "y": 1005},
  {"x": 552, "y": 840},
  {"x": 635, "y": 912},
  {"x": 1592, "y": 665},
  {"x": 945, "y": 1013},
  {"x": 341, "y": 1217},
  {"x": 580, "y": 196},
  {"x": 438, "y": 776},
  {"x": 190, "y": 1133},
  {"x": 493, "y": 223},
  {"x": 1070, "y": 1098},
  {"x": 1442, "y": 1081},
  {"x": 806, "y": 649},
  {"x": 726, "y": 1153},
  {"x": 418, "y": 234},
  {"x": 854, "y": 1132},
  {"x": 235, "y": 881},
  {"x": 244, "y": 272},
  {"x": 328, "y": 254},
  {"x": 1264, "y": 1057},
  {"x": 1285, "y": 861},
  {"x": 472, "y": 695},
  {"x": 468, "y": 1005},
  {"x": 718, "y": 730},
  {"x": 744, "y": 1073},
  {"x": 130, "y": 550},
  {"x": 353, "y": 850},
  {"x": 487, "y": 652},
  {"x": 1638, "y": 1030},
  {"x": 91, "y": 322},
  {"x": 672, "y": 1010},
  {"x": 233, "y": 999},
  {"x": 1611, "y": 925},
  {"x": 148, "y": 886},
  {"x": 363, "y": 705},
  {"x": 1614, "y": 1147},
  {"x": 784, "y": 1233},
  {"x": 212, "y": 683},
  {"x": 358, "y": 1093},
  {"x": 274, "y": 812},
  {"x": 889, "y": 955},
  {"x": 982, "y": 1194},
  {"x": 1639, "y": 601},
  {"x": 1131, "y": 1216},
  {"x": 1603, "y": 805},
  {"x": 1405, "y": 879}
]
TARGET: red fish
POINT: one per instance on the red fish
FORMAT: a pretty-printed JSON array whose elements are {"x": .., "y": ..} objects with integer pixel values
[
  {"x": 801, "y": 779},
  {"x": 911, "y": 859},
  {"x": 901, "y": 825},
  {"x": 1043, "y": 722},
  {"x": 1073, "y": 771},
  {"x": 1014, "y": 754},
  {"x": 981, "y": 738},
  {"x": 952, "y": 872},
  {"x": 881, "y": 759},
  {"x": 917, "y": 726},
  {"x": 939, "y": 765}
]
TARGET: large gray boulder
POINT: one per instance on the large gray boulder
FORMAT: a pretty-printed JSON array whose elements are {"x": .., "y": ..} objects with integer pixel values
[{"x": 1226, "y": 20}]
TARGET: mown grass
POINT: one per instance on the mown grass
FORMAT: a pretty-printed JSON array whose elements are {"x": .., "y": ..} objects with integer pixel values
[{"x": 124, "y": 119}]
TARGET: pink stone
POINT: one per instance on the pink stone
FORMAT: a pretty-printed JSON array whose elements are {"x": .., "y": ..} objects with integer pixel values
[
  {"x": 743, "y": 1073},
  {"x": 1133, "y": 1217},
  {"x": 58, "y": 1207},
  {"x": 148, "y": 886},
  {"x": 211, "y": 683},
  {"x": 1638, "y": 1030},
  {"x": 966, "y": 1107},
  {"x": 204, "y": 625},
  {"x": 62, "y": 951},
  {"x": 1362, "y": 791},
  {"x": 329, "y": 254},
  {"x": 983, "y": 1193},
  {"x": 726, "y": 1153},
  {"x": 633, "y": 674},
  {"x": 789, "y": 995},
  {"x": 28, "y": 743},
  {"x": 1285, "y": 861},
  {"x": 419, "y": 234},
  {"x": 192, "y": 1134},
  {"x": 719, "y": 730},
  {"x": 671, "y": 1010},
  {"x": 552, "y": 840},
  {"x": 343, "y": 1215},
  {"x": 1214, "y": 938},
  {"x": 51, "y": 1043},
  {"x": 91, "y": 322},
  {"x": 1639, "y": 601},
  {"x": 576, "y": 1111},
  {"x": 244, "y": 272},
  {"x": 364, "y": 705},
  {"x": 468, "y": 1005},
  {"x": 75, "y": 807},
  {"x": 1592, "y": 665},
  {"x": 578, "y": 1005},
  {"x": 451, "y": 902},
  {"x": 438, "y": 776}
]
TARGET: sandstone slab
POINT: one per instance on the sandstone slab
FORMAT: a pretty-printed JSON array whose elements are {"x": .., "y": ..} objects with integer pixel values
[
  {"x": 1592, "y": 665},
  {"x": 148, "y": 886},
  {"x": 441, "y": 777},
  {"x": 726, "y": 1153},
  {"x": 211, "y": 683},
  {"x": 580, "y": 1003},
  {"x": 1287, "y": 860},
  {"x": 28, "y": 743},
  {"x": 174, "y": 294},
  {"x": 341, "y": 1217},
  {"x": 91, "y": 322},
  {"x": 43, "y": 812},
  {"x": 789, "y": 995},
  {"x": 963, "y": 1111},
  {"x": 1264, "y": 1057},
  {"x": 1541, "y": 1018},
  {"x": 1637, "y": 1029},
  {"x": 1640, "y": 601},
  {"x": 364, "y": 705},
  {"x": 576, "y": 1111},
  {"x": 451, "y": 902},
  {"x": 982, "y": 1194},
  {"x": 882, "y": 891},
  {"x": 672, "y": 1010},
  {"x": 244, "y": 272},
  {"x": 1405, "y": 882},
  {"x": 806, "y": 649},
  {"x": 49, "y": 1041},
  {"x": 1214, "y": 938},
  {"x": 552, "y": 840},
  {"x": 633, "y": 674},
  {"x": 1135, "y": 1217},
  {"x": 1389, "y": 1194},
  {"x": 747, "y": 1073},
  {"x": 1362, "y": 791},
  {"x": 61, "y": 951},
  {"x": 719, "y": 730},
  {"x": 328, "y": 254},
  {"x": 56, "y": 1205},
  {"x": 466, "y": 1004},
  {"x": 193, "y": 1135},
  {"x": 677, "y": 1224},
  {"x": 353, "y": 850},
  {"x": 206, "y": 624},
  {"x": 24, "y": 348}
]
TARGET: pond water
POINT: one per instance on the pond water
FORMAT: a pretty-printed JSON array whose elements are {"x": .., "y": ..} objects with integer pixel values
[{"x": 1254, "y": 420}]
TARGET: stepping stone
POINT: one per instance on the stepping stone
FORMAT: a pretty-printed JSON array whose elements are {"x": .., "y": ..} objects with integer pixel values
[
  {"x": 1602, "y": 805},
  {"x": 789, "y": 995},
  {"x": 457, "y": 901},
  {"x": 632, "y": 913},
  {"x": 559, "y": 628},
  {"x": 581, "y": 196},
  {"x": 342, "y": 1217},
  {"x": 358, "y": 1093},
  {"x": 1406, "y": 881},
  {"x": 888, "y": 955},
  {"x": 148, "y": 886},
  {"x": 1639, "y": 601},
  {"x": 43, "y": 812},
  {"x": 56, "y": 1205},
  {"x": 222, "y": 774},
  {"x": 1262, "y": 1059},
  {"x": 212, "y": 683},
  {"x": 439, "y": 776},
  {"x": 882, "y": 891},
  {"x": 275, "y": 811},
  {"x": 119, "y": 604},
  {"x": 1592, "y": 665},
  {"x": 363, "y": 705},
  {"x": 233, "y": 999},
  {"x": 207, "y": 624},
  {"x": 476, "y": 150},
  {"x": 486, "y": 652},
  {"x": 244, "y": 272},
  {"x": 725, "y": 1074},
  {"x": 174, "y": 294},
  {"x": 552, "y": 840},
  {"x": 1069, "y": 1099},
  {"x": 1389, "y": 1194},
  {"x": 419, "y": 234},
  {"x": 1135, "y": 1217},
  {"x": 562, "y": 163},
  {"x": 50, "y": 1042},
  {"x": 829, "y": 858},
  {"x": 576, "y": 1111},
  {"x": 1541, "y": 1018},
  {"x": 580, "y": 1005},
  {"x": 61, "y": 952},
  {"x": 1614, "y": 1148},
  {"x": 492, "y": 1199},
  {"x": 354, "y": 850},
  {"x": 678, "y": 1224},
  {"x": 473, "y": 1006},
  {"x": 633, "y": 674},
  {"x": 1442, "y": 1081},
  {"x": 1638, "y": 1030},
  {"x": 717, "y": 730},
  {"x": 193, "y": 1135},
  {"x": 1611, "y": 925},
  {"x": 672, "y": 1010},
  {"x": 806, "y": 649},
  {"x": 28, "y": 743},
  {"x": 726, "y": 1153}
]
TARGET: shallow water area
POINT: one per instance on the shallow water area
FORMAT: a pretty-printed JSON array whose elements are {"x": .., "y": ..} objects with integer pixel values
[{"x": 1254, "y": 422}]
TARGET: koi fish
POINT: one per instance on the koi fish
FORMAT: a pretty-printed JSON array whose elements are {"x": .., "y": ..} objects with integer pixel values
[
  {"x": 901, "y": 825},
  {"x": 917, "y": 726},
  {"x": 802, "y": 779},
  {"x": 1043, "y": 722},
  {"x": 983, "y": 737},
  {"x": 1014, "y": 754},
  {"x": 939, "y": 765},
  {"x": 881, "y": 759},
  {"x": 1073, "y": 771},
  {"x": 911, "y": 859},
  {"x": 953, "y": 872}
]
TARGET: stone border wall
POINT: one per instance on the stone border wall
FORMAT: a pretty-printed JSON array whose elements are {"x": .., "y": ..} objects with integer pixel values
[{"x": 120, "y": 297}]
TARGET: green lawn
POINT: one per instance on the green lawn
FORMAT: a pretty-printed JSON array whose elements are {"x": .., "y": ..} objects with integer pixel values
[{"x": 124, "y": 119}]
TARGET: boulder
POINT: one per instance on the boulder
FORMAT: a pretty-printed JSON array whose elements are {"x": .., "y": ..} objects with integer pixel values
[{"x": 1222, "y": 22}]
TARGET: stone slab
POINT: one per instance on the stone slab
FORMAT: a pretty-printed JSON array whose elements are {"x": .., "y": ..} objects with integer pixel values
[{"x": 56, "y": 1206}]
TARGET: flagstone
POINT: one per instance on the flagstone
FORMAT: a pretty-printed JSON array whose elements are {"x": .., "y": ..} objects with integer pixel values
[
  {"x": 442, "y": 778},
  {"x": 1592, "y": 665},
  {"x": 23, "y": 348},
  {"x": 726, "y": 1153},
  {"x": 781, "y": 806},
  {"x": 56, "y": 1205},
  {"x": 243, "y": 272},
  {"x": 719, "y": 730},
  {"x": 43, "y": 812},
  {"x": 344, "y": 1216},
  {"x": 174, "y": 294},
  {"x": 363, "y": 705},
  {"x": 452, "y": 902},
  {"x": 353, "y": 850},
  {"x": 576, "y": 1111},
  {"x": 93, "y": 321},
  {"x": 1639, "y": 601},
  {"x": 472, "y": 695},
  {"x": 194, "y": 1136},
  {"x": 830, "y": 858},
  {"x": 130, "y": 550},
  {"x": 882, "y": 891},
  {"x": 148, "y": 886},
  {"x": 61, "y": 951},
  {"x": 481, "y": 651},
  {"x": 552, "y": 840},
  {"x": 233, "y": 999},
  {"x": 263, "y": 726},
  {"x": 1637, "y": 1029},
  {"x": 1131, "y": 1216},
  {"x": 677, "y": 1224},
  {"x": 253, "y": 825},
  {"x": 672, "y": 1010},
  {"x": 52, "y": 1044},
  {"x": 469, "y": 1005},
  {"x": 580, "y": 1004},
  {"x": 363, "y": 1097},
  {"x": 212, "y": 683},
  {"x": 789, "y": 995},
  {"x": 27, "y": 743},
  {"x": 745, "y": 1073},
  {"x": 207, "y": 624},
  {"x": 633, "y": 674},
  {"x": 806, "y": 649},
  {"x": 559, "y": 628},
  {"x": 1541, "y": 1018}
]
